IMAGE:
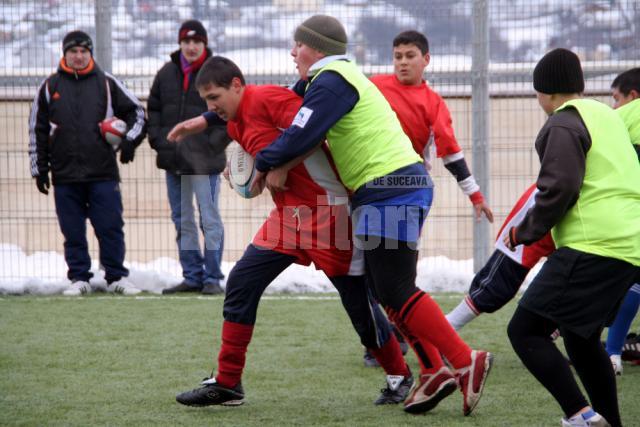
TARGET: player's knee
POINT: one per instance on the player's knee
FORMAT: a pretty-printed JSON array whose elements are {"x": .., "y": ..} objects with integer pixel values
[
  {"x": 488, "y": 309},
  {"x": 514, "y": 332}
]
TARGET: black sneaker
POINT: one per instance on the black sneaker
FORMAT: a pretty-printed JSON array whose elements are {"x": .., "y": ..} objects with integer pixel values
[
  {"x": 631, "y": 348},
  {"x": 369, "y": 360},
  {"x": 212, "y": 289},
  {"x": 212, "y": 393},
  {"x": 181, "y": 287},
  {"x": 396, "y": 391}
]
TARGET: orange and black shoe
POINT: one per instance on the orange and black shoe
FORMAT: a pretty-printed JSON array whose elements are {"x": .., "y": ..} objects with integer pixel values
[
  {"x": 472, "y": 379},
  {"x": 429, "y": 390}
]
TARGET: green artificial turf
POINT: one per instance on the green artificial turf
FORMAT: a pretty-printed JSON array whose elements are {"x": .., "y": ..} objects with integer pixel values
[{"x": 109, "y": 360}]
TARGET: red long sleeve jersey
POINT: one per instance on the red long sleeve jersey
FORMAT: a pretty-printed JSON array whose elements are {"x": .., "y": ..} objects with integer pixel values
[
  {"x": 422, "y": 113},
  {"x": 264, "y": 112},
  {"x": 528, "y": 256},
  {"x": 311, "y": 219}
]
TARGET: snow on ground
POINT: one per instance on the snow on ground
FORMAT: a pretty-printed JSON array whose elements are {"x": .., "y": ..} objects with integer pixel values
[{"x": 24, "y": 274}]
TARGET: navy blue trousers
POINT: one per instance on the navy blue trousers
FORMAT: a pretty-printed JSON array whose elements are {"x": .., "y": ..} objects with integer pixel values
[
  {"x": 259, "y": 267},
  {"x": 496, "y": 283},
  {"x": 101, "y": 203}
]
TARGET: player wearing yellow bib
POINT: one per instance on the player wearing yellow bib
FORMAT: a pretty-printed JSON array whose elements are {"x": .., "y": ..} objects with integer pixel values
[
  {"x": 391, "y": 196},
  {"x": 589, "y": 199}
]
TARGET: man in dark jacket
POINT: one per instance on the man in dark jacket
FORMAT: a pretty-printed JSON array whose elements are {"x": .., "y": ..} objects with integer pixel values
[
  {"x": 193, "y": 167},
  {"x": 65, "y": 139}
]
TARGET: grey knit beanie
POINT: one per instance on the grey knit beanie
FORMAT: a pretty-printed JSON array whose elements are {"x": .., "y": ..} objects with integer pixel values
[
  {"x": 559, "y": 71},
  {"x": 323, "y": 33}
]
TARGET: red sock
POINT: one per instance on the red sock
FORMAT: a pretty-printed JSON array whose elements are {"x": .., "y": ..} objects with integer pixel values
[
  {"x": 428, "y": 355},
  {"x": 232, "y": 356},
  {"x": 389, "y": 356},
  {"x": 422, "y": 318}
]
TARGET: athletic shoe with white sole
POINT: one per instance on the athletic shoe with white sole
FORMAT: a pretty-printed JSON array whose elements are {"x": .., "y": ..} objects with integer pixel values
[
  {"x": 472, "y": 379},
  {"x": 429, "y": 390},
  {"x": 396, "y": 390},
  {"x": 123, "y": 286},
  {"x": 79, "y": 287},
  {"x": 593, "y": 419},
  {"x": 616, "y": 363},
  {"x": 212, "y": 393}
]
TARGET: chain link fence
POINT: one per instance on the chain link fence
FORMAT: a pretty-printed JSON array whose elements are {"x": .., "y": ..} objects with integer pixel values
[{"x": 482, "y": 56}]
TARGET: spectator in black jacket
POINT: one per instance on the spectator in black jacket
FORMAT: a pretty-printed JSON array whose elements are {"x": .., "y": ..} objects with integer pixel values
[
  {"x": 192, "y": 167},
  {"x": 65, "y": 139}
]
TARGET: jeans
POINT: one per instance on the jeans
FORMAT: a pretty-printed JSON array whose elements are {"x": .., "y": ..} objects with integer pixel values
[
  {"x": 197, "y": 269},
  {"x": 101, "y": 203}
]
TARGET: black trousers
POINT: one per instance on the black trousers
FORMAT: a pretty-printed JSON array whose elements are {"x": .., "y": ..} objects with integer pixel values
[
  {"x": 101, "y": 203},
  {"x": 530, "y": 337},
  {"x": 259, "y": 267},
  {"x": 391, "y": 269},
  {"x": 496, "y": 283},
  {"x": 578, "y": 293}
]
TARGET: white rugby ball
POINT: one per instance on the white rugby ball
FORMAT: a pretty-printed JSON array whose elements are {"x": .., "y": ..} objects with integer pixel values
[
  {"x": 242, "y": 172},
  {"x": 113, "y": 130}
]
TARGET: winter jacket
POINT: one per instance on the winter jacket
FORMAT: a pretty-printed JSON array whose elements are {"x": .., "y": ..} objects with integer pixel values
[
  {"x": 169, "y": 104},
  {"x": 64, "y": 133}
]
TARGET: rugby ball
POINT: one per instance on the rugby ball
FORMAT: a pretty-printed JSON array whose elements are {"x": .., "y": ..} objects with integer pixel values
[
  {"x": 242, "y": 172},
  {"x": 113, "y": 130}
]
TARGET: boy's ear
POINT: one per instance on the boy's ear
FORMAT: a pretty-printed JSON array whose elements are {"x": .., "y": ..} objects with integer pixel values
[
  {"x": 236, "y": 83},
  {"x": 634, "y": 94}
]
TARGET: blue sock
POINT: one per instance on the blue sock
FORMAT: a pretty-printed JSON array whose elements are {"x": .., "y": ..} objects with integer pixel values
[{"x": 620, "y": 327}]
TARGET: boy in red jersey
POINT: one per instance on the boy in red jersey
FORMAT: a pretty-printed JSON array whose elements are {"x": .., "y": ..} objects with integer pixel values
[
  {"x": 423, "y": 114},
  {"x": 499, "y": 280},
  {"x": 309, "y": 224}
]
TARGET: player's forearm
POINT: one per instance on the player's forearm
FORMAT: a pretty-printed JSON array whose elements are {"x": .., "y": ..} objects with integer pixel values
[
  {"x": 325, "y": 103},
  {"x": 286, "y": 151},
  {"x": 295, "y": 162},
  {"x": 457, "y": 166},
  {"x": 213, "y": 119}
]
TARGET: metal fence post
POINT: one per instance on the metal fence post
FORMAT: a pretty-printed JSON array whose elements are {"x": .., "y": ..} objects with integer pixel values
[
  {"x": 103, "y": 34},
  {"x": 480, "y": 122}
]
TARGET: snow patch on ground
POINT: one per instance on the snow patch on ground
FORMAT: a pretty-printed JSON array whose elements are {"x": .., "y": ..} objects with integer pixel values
[{"x": 25, "y": 274}]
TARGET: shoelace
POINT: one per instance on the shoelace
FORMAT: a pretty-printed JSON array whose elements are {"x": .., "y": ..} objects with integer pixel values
[
  {"x": 387, "y": 391},
  {"x": 119, "y": 289}
]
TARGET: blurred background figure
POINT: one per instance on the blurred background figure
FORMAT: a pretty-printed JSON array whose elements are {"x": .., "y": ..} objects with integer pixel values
[
  {"x": 65, "y": 139},
  {"x": 192, "y": 167},
  {"x": 626, "y": 96}
]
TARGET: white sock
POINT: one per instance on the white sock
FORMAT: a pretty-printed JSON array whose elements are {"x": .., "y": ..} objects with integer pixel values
[{"x": 461, "y": 315}]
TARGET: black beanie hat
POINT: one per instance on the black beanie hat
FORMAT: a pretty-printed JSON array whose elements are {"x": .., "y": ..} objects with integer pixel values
[
  {"x": 323, "y": 33},
  {"x": 77, "y": 38},
  {"x": 559, "y": 71},
  {"x": 193, "y": 29}
]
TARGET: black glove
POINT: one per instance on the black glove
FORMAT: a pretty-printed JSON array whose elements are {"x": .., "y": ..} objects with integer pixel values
[
  {"x": 43, "y": 184},
  {"x": 127, "y": 151}
]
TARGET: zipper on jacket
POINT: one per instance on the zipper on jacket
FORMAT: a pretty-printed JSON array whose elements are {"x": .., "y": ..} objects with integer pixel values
[{"x": 182, "y": 101}]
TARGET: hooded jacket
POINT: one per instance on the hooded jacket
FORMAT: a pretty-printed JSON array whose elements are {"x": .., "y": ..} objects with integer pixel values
[{"x": 64, "y": 133}]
